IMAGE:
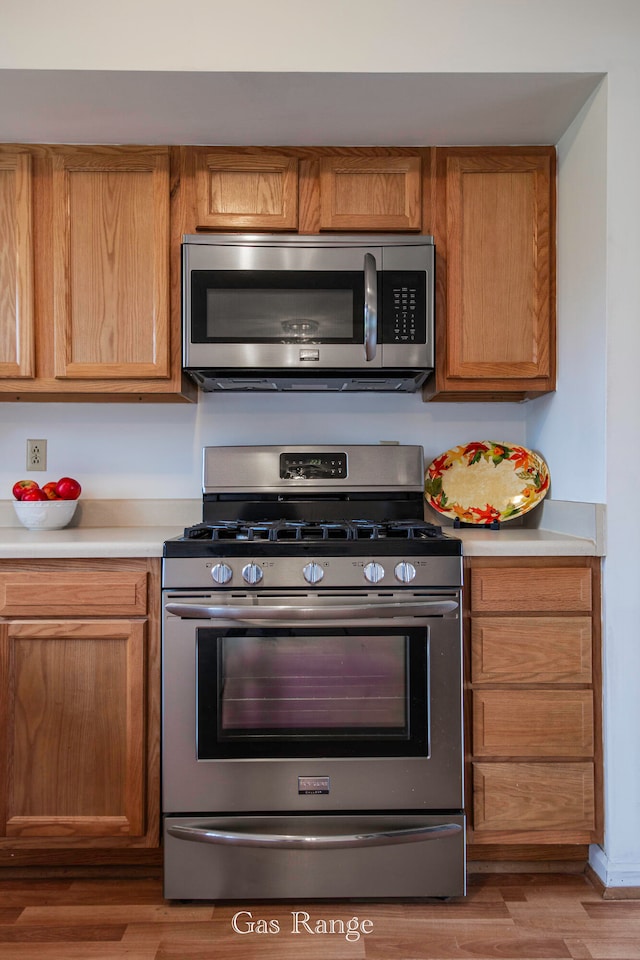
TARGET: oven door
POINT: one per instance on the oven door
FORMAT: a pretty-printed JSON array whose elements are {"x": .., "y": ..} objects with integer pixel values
[{"x": 289, "y": 703}]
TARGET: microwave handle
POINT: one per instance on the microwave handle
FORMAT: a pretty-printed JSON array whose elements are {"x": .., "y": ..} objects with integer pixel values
[{"x": 370, "y": 307}]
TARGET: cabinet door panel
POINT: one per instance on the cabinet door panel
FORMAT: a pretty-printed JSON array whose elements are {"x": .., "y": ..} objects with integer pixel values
[
  {"x": 498, "y": 266},
  {"x": 16, "y": 265},
  {"x": 247, "y": 191},
  {"x": 495, "y": 280},
  {"x": 547, "y": 801},
  {"x": 74, "y": 739},
  {"x": 111, "y": 262},
  {"x": 370, "y": 193},
  {"x": 531, "y": 589},
  {"x": 531, "y": 650},
  {"x": 57, "y": 593},
  {"x": 533, "y": 723}
]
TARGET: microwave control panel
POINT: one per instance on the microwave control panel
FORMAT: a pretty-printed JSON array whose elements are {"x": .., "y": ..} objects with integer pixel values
[{"x": 404, "y": 307}]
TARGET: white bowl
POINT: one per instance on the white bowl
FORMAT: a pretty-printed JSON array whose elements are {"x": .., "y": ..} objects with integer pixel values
[{"x": 45, "y": 514}]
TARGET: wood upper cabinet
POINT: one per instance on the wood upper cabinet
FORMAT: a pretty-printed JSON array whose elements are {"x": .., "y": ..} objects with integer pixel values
[
  {"x": 90, "y": 262},
  {"x": 79, "y": 707},
  {"x": 370, "y": 193},
  {"x": 533, "y": 701},
  {"x": 17, "y": 333},
  {"x": 302, "y": 189},
  {"x": 99, "y": 327},
  {"x": 495, "y": 241},
  {"x": 111, "y": 262},
  {"x": 246, "y": 191}
]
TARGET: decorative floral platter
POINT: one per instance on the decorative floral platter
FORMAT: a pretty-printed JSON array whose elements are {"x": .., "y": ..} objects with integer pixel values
[{"x": 485, "y": 481}]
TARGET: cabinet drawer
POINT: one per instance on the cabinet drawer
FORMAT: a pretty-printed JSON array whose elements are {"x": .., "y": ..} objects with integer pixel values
[
  {"x": 531, "y": 589},
  {"x": 531, "y": 650},
  {"x": 543, "y": 797},
  {"x": 533, "y": 723},
  {"x": 25, "y": 593}
]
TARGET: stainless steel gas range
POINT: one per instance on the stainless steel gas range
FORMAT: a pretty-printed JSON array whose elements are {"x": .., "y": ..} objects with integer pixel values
[{"x": 312, "y": 717}]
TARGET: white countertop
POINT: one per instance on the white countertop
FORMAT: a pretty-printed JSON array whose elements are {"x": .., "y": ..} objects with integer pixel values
[
  {"x": 523, "y": 542},
  {"x": 85, "y": 542},
  {"x": 139, "y": 529}
]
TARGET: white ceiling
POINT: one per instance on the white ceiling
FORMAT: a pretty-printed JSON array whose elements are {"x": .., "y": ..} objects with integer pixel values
[{"x": 82, "y": 106}]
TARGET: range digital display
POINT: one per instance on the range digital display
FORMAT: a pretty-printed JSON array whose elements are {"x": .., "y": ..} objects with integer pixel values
[{"x": 312, "y": 466}]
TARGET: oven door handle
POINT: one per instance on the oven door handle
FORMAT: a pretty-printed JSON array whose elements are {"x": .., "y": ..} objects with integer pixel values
[
  {"x": 200, "y": 833},
  {"x": 370, "y": 307},
  {"x": 363, "y": 612}
]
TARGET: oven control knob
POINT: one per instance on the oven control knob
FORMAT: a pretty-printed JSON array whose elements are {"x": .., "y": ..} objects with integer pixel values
[
  {"x": 405, "y": 572},
  {"x": 374, "y": 572},
  {"x": 221, "y": 573},
  {"x": 252, "y": 573},
  {"x": 313, "y": 572}
]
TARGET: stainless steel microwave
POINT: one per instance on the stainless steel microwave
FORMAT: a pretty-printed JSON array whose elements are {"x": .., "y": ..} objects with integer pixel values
[{"x": 299, "y": 312}]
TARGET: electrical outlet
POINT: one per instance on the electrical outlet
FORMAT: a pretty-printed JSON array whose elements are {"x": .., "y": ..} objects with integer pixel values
[{"x": 36, "y": 454}]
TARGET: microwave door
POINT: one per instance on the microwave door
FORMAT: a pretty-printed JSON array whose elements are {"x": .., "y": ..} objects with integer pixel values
[{"x": 300, "y": 309}]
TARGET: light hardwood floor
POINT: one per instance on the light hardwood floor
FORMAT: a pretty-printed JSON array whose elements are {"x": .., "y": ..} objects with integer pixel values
[{"x": 543, "y": 916}]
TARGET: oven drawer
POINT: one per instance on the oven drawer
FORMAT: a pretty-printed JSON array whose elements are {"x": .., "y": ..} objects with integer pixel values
[{"x": 370, "y": 857}]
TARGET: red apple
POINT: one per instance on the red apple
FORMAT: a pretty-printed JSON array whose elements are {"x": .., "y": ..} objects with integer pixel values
[
  {"x": 21, "y": 487},
  {"x": 50, "y": 490},
  {"x": 36, "y": 494},
  {"x": 68, "y": 489}
]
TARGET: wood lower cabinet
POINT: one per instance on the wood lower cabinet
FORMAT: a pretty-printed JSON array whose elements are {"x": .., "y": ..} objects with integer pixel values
[
  {"x": 494, "y": 229},
  {"x": 532, "y": 631},
  {"x": 85, "y": 275},
  {"x": 79, "y": 709}
]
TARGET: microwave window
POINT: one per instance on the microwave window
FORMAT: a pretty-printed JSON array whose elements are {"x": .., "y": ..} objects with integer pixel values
[
  {"x": 259, "y": 306},
  {"x": 280, "y": 315}
]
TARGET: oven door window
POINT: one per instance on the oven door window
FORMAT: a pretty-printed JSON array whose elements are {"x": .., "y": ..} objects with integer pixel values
[
  {"x": 266, "y": 306},
  {"x": 296, "y": 692}
]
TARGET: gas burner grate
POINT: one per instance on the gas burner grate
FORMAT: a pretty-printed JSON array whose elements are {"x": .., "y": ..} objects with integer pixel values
[
  {"x": 283, "y": 531},
  {"x": 413, "y": 529}
]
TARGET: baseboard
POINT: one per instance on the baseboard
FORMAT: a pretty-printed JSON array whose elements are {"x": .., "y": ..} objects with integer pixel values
[{"x": 612, "y": 892}]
